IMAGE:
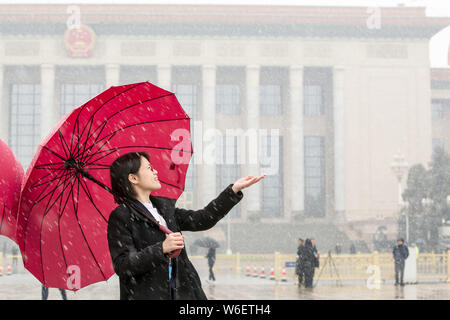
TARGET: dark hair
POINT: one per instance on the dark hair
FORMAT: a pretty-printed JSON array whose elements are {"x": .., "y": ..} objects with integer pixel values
[
  {"x": 308, "y": 243},
  {"x": 120, "y": 169}
]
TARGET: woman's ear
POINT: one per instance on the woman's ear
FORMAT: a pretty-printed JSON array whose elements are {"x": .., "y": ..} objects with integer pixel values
[{"x": 132, "y": 178}]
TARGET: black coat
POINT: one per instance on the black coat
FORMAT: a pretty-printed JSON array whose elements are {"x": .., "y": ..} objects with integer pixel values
[
  {"x": 400, "y": 253},
  {"x": 307, "y": 259},
  {"x": 298, "y": 266},
  {"x": 135, "y": 244}
]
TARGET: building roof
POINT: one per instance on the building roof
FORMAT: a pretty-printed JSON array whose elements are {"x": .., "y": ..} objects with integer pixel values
[{"x": 232, "y": 20}]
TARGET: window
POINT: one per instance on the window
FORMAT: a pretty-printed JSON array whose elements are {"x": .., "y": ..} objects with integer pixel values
[
  {"x": 227, "y": 166},
  {"x": 24, "y": 128},
  {"x": 272, "y": 184},
  {"x": 187, "y": 97},
  {"x": 437, "y": 109},
  {"x": 270, "y": 99},
  {"x": 228, "y": 99},
  {"x": 313, "y": 100},
  {"x": 314, "y": 176},
  {"x": 74, "y": 95},
  {"x": 437, "y": 143}
]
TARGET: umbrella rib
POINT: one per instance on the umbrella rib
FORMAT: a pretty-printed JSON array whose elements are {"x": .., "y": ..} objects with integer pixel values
[
  {"x": 40, "y": 179},
  {"x": 110, "y": 152},
  {"x": 86, "y": 190},
  {"x": 91, "y": 147},
  {"x": 49, "y": 181},
  {"x": 114, "y": 114},
  {"x": 57, "y": 186},
  {"x": 51, "y": 151},
  {"x": 59, "y": 222},
  {"x": 36, "y": 202},
  {"x": 81, "y": 229},
  {"x": 127, "y": 147},
  {"x": 110, "y": 99},
  {"x": 126, "y": 108},
  {"x": 41, "y": 166},
  {"x": 47, "y": 209},
  {"x": 80, "y": 151},
  {"x": 136, "y": 104},
  {"x": 76, "y": 126},
  {"x": 112, "y": 134},
  {"x": 64, "y": 145}
]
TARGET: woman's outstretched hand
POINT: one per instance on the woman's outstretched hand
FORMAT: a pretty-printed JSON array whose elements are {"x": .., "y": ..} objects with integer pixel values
[{"x": 245, "y": 182}]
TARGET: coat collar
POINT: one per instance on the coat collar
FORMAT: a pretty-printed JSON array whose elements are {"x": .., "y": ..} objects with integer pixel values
[{"x": 165, "y": 207}]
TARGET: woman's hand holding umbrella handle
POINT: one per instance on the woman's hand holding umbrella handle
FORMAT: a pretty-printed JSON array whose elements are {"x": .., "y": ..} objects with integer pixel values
[
  {"x": 174, "y": 241},
  {"x": 246, "y": 182}
]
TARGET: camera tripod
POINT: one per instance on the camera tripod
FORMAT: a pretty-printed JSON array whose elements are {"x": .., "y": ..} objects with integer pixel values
[{"x": 332, "y": 267}]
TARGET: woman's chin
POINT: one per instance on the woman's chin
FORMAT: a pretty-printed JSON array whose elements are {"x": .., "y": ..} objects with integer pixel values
[{"x": 157, "y": 186}]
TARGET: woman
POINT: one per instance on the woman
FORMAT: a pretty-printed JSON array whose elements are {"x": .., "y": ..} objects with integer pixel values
[
  {"x": 139, "y": 249},
  {"x": 307, "y": 262}
]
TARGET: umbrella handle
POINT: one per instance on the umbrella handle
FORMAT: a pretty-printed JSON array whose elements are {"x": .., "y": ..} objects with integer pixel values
[{"x": 171, "y": 254}]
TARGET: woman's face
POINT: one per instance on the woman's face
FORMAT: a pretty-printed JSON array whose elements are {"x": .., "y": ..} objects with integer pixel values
[{"x": 146, "y": 178}]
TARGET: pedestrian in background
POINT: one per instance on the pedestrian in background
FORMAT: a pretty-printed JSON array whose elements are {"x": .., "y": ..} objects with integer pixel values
[
  {"x": 211, "y": 255},
  {"x": 45, "y": 293},
  {"x": 352, "y": 248},
  {"x": 307, "y": 262},
  {"x": 316, "y": 253},
  {"x": 298, "y": 266},
  {"x": 400, "y": 253},
  {"x": 14, "y": 253},
  {"x": 338, "y": 248}
]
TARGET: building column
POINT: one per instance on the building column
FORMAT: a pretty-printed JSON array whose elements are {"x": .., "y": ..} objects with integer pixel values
[
  {"x": 208, "y": 168},
  {"x": 3, "y": 109},
  {"x": 112, "y": 74},
  {"x": 48, "y": 108},
  {"x": 253, "y": 141},
  {"x": 164, "y": 73},
  {"x": 339, "y": 139},
  {"x": 296, "y": 135}
]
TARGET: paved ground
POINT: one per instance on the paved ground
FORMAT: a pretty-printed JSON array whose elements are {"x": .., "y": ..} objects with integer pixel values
[{"x": 229, "y": 287}]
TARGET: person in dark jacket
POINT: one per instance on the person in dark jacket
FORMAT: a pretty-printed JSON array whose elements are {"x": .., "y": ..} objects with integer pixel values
[
  {"x": 211, "y": 255},
  {"x": 352, "y": 248},
  {"x": 298, "y": 267},
  {"x": 400, "y": 253},
  {"x": 307, "y": 262},
  {"x": 316, "y": 253},
  {"x": 338, "y": 248},
  {"x": 139, "y": 249}
]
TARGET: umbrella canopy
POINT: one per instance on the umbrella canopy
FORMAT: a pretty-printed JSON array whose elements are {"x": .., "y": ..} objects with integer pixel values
[
  {"x": 66, "y": 201},
  {"x": 206, "y": 242},
  {"x": 11, "y": 175}
]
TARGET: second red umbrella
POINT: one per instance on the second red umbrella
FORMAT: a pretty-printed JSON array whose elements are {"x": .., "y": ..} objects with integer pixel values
[{"x": 11, "y": 176}]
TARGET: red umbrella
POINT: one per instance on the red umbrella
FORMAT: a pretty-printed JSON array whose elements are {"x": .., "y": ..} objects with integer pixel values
[
  {"x": 11, "y": 176},
  {"x": 66, "y": 200}
]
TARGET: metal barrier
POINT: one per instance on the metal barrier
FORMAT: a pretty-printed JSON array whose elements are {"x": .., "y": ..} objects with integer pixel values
[
  {"x": 430, "y": 266},
  {"x": 12, "y": 261}
]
